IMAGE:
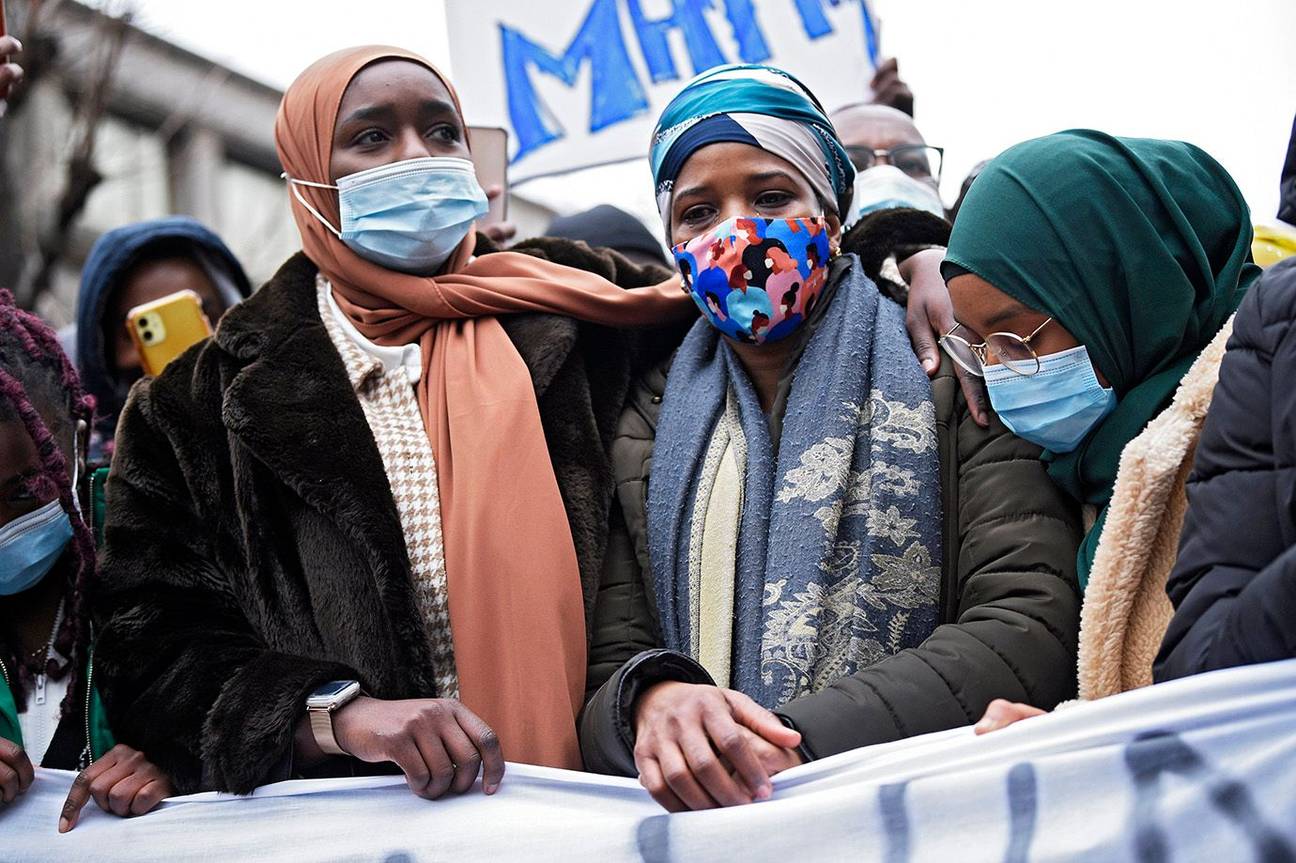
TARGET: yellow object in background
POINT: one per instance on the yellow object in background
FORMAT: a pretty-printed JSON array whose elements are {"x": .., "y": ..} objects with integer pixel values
[
  {"x": 1272, "y": 243},
  {"x": 164, "y": 329}
]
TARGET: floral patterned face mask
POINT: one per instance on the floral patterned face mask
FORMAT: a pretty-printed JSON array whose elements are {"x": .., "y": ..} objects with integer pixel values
[{"x": 756, "y": 280}]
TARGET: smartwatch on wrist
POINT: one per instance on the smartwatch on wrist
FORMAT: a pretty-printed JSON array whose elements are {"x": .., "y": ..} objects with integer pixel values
[{"x": 320, "y": 706}]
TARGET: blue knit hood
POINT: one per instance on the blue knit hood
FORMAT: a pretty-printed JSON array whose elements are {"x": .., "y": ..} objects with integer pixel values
[{"x": 113, "y": 254}]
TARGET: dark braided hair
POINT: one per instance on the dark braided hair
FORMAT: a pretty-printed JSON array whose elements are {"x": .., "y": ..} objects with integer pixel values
[{"x": 34, "y": 374}]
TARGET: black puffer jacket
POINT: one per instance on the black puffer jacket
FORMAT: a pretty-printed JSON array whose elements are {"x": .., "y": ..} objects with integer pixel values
[{"x": 1234, "y": 585}]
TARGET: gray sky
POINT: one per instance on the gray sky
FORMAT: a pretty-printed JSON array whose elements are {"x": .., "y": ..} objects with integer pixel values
[
  {"x": 273, "y": 40},
  {"x": 987, "y": 73}
]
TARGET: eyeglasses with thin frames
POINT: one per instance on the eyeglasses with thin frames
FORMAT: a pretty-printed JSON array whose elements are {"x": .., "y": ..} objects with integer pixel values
[
  {"x": 1014, "y": 352},
  {"x": 920, "y": 161}
]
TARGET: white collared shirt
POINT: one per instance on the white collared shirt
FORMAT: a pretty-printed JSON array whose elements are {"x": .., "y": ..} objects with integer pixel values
[{"x": 409, "y": 357}]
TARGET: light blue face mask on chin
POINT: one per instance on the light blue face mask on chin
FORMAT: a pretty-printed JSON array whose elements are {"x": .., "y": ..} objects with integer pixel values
[
  {"x": 1058, "y": 406},
  {"x": 406, "y": 216},
  {"x": 31, "y": 545},
  {"x": 886, "y": 187}
]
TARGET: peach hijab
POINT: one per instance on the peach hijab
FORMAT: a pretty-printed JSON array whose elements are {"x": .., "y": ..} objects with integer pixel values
[{"x": 516, "y": 611}]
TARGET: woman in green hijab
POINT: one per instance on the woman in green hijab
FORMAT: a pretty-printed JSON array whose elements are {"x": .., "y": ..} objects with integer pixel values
[{"x": 1087, "y": 272}]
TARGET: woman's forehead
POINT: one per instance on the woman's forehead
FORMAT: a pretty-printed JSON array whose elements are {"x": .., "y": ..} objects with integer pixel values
[
  {"x": 391, "y": 80},
  {"x": 732, "y": 162}
]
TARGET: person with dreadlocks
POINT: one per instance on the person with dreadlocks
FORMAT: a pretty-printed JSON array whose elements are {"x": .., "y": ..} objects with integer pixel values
[{"x": 50, "y": 711}]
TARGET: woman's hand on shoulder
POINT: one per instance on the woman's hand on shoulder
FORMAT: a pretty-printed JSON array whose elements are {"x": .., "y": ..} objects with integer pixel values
[
  {"x": 929, "y": 314},
  {"x": 122, "y": 782},
  {"x": 16, "y": 773},
  {"x": 439, "y": 744},
  {"x": 698, "y": 747}
]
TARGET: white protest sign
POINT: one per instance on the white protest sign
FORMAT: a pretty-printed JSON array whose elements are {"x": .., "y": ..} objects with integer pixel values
[{"x": 580, "y": 83}]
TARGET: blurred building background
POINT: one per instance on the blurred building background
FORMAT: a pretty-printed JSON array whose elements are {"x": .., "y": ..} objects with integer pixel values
[{"x": 117, "y": 125}]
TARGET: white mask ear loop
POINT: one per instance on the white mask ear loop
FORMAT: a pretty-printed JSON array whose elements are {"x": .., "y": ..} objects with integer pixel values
[
  {"x": 81, "y": 428},
  {"x": 293, "y": 183}
]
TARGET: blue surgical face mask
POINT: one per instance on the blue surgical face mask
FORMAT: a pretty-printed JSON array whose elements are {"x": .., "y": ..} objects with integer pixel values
[
  {"x": 30, "y": 546},
  {"x": 886, "y": 187},
  {"x": 1057, "y": 406},
  {"x": 407, "y": 216}
]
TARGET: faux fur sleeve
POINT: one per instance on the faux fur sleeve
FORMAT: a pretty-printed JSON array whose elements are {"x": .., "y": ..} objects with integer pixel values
[{"x": 185, "y": 677}]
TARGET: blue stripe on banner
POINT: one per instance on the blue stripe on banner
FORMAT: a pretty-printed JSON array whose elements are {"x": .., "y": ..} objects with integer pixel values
[
  {"x": 653, "y": 839},
  {"x": 895, "y": 823},
  {"x": 1023, "y": 807}
]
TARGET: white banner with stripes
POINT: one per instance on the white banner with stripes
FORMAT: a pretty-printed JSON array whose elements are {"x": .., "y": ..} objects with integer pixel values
[{"x": 1201, "y": 769}]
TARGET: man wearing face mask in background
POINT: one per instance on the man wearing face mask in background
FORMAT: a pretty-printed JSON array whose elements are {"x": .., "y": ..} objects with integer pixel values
[
  {"x": 895, "y": 167},
  {"x": 897, "y": 177}
]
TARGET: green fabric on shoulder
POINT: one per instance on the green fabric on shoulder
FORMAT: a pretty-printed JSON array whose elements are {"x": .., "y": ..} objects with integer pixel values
[
  {"x": 9, "y": 728},
  {"x": 101, "y": 736},
  {"x": 98, "y": 502}
]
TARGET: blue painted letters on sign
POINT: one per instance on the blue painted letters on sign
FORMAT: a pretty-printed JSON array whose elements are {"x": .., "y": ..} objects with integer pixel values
[
  {"x": 688, "y": 16},
  {"x": 617, "y": 93}
]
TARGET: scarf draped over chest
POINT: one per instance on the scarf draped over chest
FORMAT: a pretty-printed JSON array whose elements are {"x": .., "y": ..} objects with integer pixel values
[
  {"x": 824, "y": 547},
  {"x": 513, "y": 583}
]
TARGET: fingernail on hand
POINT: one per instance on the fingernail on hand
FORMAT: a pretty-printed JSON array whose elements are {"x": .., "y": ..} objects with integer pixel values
[
  {"x": 64, "y": 825},
  {"x": 489, "y": 788}
]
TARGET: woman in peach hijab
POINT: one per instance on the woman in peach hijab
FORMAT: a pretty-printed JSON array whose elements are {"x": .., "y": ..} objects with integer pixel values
[{"x": 364, "y": 522}]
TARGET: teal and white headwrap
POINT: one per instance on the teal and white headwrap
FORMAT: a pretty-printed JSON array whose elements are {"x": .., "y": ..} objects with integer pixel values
[{"x": 757, "y": 105}]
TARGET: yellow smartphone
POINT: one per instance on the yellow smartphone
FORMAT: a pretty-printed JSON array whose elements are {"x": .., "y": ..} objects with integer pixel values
[{"x": 166, "y": 328}]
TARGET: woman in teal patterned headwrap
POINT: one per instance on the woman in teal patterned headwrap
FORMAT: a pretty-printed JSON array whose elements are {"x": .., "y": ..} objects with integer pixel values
[
  {"x": 1125, "y": 257},
  {"x": 759, "y": 106},
  {"x": 831, "y": 552}
]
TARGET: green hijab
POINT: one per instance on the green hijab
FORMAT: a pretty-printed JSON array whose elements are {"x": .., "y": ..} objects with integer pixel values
[{"x": 1139, "y": 248}]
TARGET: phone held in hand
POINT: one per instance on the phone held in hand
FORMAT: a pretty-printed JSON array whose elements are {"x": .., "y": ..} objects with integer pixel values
[
  {"x": 489, "y": 146},
  {"x": 164, "y": 329}
]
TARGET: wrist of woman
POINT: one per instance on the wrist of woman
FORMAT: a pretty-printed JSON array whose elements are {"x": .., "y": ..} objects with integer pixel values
[
  {"x": 306, "y": 752},
  {"x": 908, "y": 266},
  {"x": 646, "y": 697},
  {"x": 306, "y": 749},
  {"x": 649, "y": 669},
  {"x": 347, "y": 720}
]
